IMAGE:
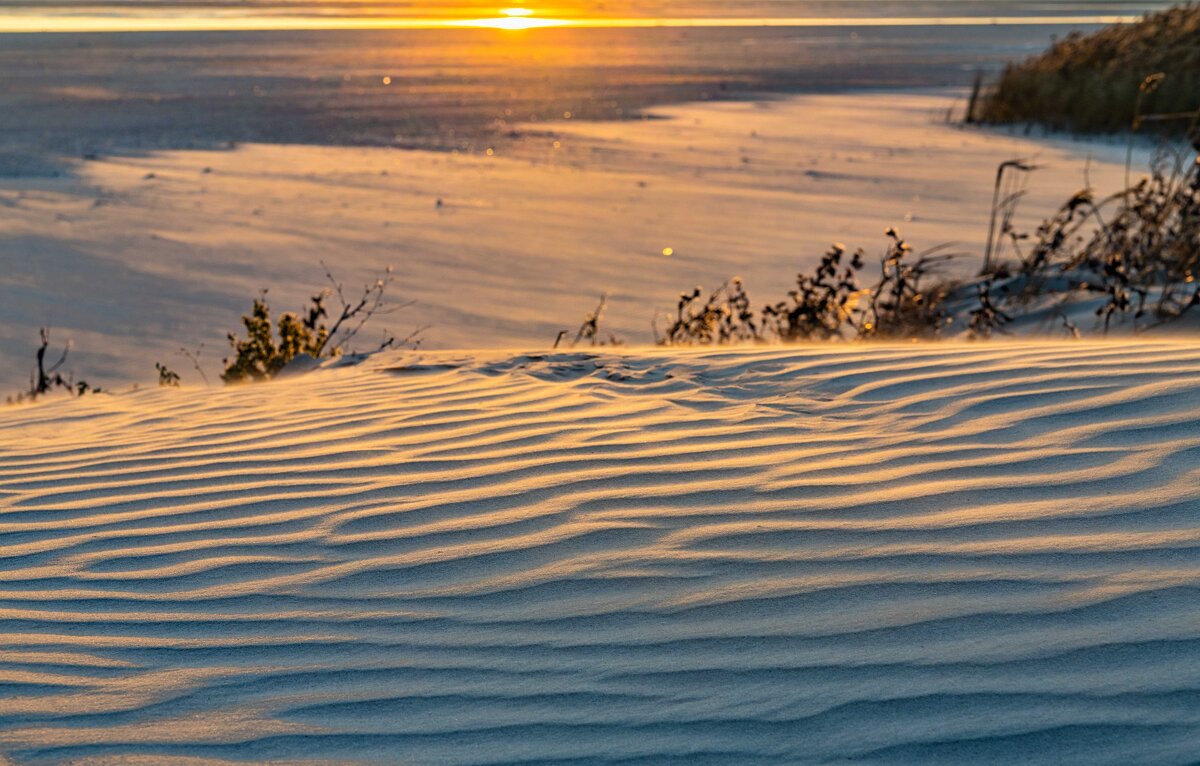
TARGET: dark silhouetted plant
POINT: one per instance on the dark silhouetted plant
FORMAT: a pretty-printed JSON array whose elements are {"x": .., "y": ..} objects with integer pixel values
[
  {"x": 821, "y": 305},
  {"x": 908, "y": 300},
  {"x": 589, "y": 330},
  {"x": 986, "y": 319},
  {"x": 47, "y": 376},
  {"x": 722, "y": 316},
  {"x": 1139, "y": 249},
  {"x": 167, "y": 377},
  {"x": 266, "y": 348}
]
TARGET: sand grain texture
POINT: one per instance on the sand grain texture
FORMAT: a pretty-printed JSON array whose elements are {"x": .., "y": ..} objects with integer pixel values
[{"x": 927, "y": 553}]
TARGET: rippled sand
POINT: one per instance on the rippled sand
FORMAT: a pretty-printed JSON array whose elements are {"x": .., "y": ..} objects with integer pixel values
[{"x": 920, "y": 553}]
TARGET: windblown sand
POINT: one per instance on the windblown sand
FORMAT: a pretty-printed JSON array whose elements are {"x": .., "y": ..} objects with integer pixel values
[
  {"x": 138, "y": 256},
  {"x": 920, "y": 553}
]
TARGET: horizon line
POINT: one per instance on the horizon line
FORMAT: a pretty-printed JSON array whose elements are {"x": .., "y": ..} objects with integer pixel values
[{"x": 50, "y": 24}]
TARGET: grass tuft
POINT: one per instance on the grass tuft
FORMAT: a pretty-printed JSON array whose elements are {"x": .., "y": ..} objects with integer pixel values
[{"x": 1096, "y": 83}]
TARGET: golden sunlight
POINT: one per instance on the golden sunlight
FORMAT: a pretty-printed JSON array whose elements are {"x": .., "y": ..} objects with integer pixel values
[{"x": 514, "y": 19}]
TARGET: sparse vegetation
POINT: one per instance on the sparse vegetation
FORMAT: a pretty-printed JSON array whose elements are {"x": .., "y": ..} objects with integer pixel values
[
  {"x": 261, "y": 354},
  {"x": 1137, "y": 250},
  {"x": 267, "y": 349},
  {"x": 194, "y": 358},
  {"x": 48, "y": 376},
  {"x": 589, "y": 330},
  {"x": 907, "y": 301},
  {"x": 722, "y": 316},
  {"x": 1093, "y": 83},
  {"x": 1135, "y": 254},
  {"x": 167, "y": 378},
  {"x": 821, "y": 304},
  {"x": 1132, "y": 256}
]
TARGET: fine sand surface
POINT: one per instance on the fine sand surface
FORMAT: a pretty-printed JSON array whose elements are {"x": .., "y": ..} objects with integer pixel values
[
  {"x": 134, "y": 257},
  {"x": 917, "y": 553}
]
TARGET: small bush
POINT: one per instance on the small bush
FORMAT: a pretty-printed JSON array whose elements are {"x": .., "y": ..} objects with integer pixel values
[
  {"x": 722, "y": 316},
  {"x": 266, "y": 349},
  {"x": 821, "y": 304},
  {"x": 167, "y": 378},
  {"x": 907, "y": 301},
  {"x": 589, "y": 331},
  {"x": 46, "y": 377},
  {"x": 261, "y": 354}
]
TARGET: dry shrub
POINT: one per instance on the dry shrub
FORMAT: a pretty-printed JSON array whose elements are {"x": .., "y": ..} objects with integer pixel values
[
  {"x": 48, "y": 376},
  {"x": 1132, "y": 255},
  {"x": 589, "y": 331},
  {"x": 722, "y": 316},
  {"x": 907, "y": 301},
  {"x": 266, "y": 350},
  {"x": 821, "y": 304},
  {"x": 1091, "y": 83},
  {"x": 1138, "y": 249}
]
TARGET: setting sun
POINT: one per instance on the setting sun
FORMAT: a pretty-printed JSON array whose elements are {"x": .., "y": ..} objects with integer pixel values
[{"x": 514, "y": 19}]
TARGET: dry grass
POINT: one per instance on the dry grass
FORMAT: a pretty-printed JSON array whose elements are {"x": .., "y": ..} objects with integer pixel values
[
  {"x": 1090, "y": 83},
  {"x": 1131, "y": 257},
  {"x": 1137, "y": 250}
]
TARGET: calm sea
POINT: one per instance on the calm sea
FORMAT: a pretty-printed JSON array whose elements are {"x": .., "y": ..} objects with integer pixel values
[
  {"x": 149, "y": 15},
  {"x": 136, "y": 74}
]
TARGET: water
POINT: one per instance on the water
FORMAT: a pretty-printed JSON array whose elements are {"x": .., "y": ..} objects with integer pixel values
[
  {"x": 155, "y": 15},
  {"x": 275, "y": 75}
]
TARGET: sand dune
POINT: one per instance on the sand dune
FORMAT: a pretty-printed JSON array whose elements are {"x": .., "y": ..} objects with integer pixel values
[
  {"x": 920, "y": 553},
  {"x": 141, "y": 255}
]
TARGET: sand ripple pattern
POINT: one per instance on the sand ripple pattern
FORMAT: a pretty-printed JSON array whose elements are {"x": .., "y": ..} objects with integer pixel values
[{"x": 926, "y": 554}]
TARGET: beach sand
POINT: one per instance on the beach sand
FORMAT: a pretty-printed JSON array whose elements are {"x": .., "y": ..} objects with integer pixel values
[
  {"x": 485, "y": 551},
  {"x": 134, "y": 257},
  {"x": 945, "y": 553}
]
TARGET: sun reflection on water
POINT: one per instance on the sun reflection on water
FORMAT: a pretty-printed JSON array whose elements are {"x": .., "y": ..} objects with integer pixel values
[
  {"x": 514, "y": 19},
  {"x": 506, "y": 19}
]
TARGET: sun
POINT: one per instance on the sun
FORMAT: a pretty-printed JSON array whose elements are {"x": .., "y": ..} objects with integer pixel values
[{"x": 515, "y": 19}]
